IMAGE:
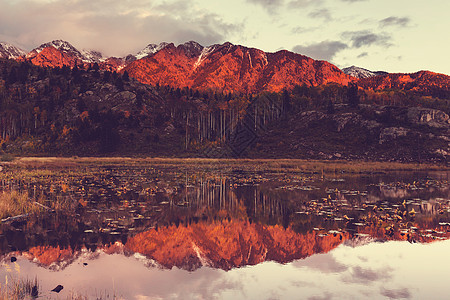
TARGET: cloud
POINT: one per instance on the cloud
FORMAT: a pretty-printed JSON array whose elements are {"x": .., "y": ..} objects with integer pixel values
[
  {"x": 113, "y": 27},
  {"x": 303, "y": 3},
  {"x": 273, "y": 6},
  {"x": 321, "y": 14},
  {"x": 365, "y": 276},
  {"x": 354, "y": 0},
  {"x": 324, "y": 50},
  {"x": 326, "y": 295},
  {"x": 300, "y": 29},
  {"x": 269, "y": 5},
  {"x": 364, "y": 54},
  {"x": 396, "y": 293},
  {"x": 174, "y": 7},
  {"x": 363, "y": 38},
  {"x": 325, "y": 263},
  {"x": 395, "y": 21}
]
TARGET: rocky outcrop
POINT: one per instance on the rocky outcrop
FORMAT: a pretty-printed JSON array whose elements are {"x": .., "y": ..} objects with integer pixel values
[
  {"x": 371, "y": 132},
  {"x": 428, "y": 116},
  {"x": 391, "y": 133}
]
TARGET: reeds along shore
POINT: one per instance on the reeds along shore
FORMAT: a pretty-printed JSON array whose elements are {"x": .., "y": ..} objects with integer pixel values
[
  {"x": 16, "y": 203},
  {"x": 286, "y": 165}
]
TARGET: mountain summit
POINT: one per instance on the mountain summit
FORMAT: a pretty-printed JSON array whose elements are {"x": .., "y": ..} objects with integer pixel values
[
  {"x": 361, "y": 72},
  {"x": 150, "y": 49},
  {"x": 10, "y": 51},
  {"x": 58, "y": 53}
]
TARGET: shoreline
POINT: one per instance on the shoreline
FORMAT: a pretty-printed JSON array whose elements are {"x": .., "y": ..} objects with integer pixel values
[{"x": 282, "y": 164}]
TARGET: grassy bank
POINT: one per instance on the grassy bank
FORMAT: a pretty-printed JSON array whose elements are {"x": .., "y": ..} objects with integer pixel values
[{"x": 281, "y": 165}]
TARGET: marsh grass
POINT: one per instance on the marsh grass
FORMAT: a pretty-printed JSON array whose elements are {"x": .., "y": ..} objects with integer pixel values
[
  {"x": 7, "y": 157},
  {"x": 98, "y": 296},
  {"x": 62, "y": 172},
  {"x": 18, "y": 289},
  {"x": 281, "y": 165},
  {"x": 16, "y": 203}
]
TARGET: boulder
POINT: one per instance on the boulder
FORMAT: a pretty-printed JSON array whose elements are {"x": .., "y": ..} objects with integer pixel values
[{"x": 391, "y": 133}]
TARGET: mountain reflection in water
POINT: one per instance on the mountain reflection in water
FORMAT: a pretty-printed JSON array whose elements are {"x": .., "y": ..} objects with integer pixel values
[
  {"x": 180, "y": 221},
  {"x": 392, "y": 269}
]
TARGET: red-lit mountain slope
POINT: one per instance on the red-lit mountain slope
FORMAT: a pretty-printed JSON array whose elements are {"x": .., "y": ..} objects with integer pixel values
[
  {"x": 231, "y": 67},
  {"x": 423, "y": 81},
  {"x": 228, "y": 67}
]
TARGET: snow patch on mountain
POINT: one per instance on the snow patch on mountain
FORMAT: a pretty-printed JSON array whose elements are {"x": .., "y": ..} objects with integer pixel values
[
  {"x": 92, "y": 56},
  {"x": 204, "y": 54},
  {"x": 10, "y": 51},
  {"x": 361, "y": 72},
  {"x": 151, "y": 49},
  {"x": 88, "y": 56},
  {"x": 191, "y": 48},
  {"x": 264, "y": 59},
  {"x": 361, "y": 240},
  {"x": 205, "y": 262},
  {"x": 358, "y": 72},
  {"x": 58, "y": 44},
  {"x": 148, "y": 262}
]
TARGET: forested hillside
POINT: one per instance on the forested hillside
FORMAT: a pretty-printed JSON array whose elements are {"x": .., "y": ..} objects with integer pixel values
[{"x": 88, "y": 111}]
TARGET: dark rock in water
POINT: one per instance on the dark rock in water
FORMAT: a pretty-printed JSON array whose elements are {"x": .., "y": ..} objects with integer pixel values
[
  {"x": 58, "y": 288},
  {"x": 85, "y": 264},
  {"x": 34, "y": 292},
  {"x": 13, "y": 259}
]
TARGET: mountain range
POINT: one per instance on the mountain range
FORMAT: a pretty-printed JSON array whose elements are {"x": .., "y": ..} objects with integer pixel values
[
  {"x": 225, "y": 67},
  {"x": 221, "y": 245}
]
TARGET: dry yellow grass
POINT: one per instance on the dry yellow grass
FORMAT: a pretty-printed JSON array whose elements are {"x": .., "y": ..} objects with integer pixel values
[
  {"x": 15, "y": 203},
  {"x": 282, "y": 165},
  {"x": 18, "y": 289}
]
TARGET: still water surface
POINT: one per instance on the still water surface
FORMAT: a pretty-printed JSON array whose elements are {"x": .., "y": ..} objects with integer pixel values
[{"x": 152, "y": 232}]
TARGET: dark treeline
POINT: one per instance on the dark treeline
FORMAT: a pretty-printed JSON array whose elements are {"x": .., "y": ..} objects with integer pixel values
[{"x": 91, "y": 111}]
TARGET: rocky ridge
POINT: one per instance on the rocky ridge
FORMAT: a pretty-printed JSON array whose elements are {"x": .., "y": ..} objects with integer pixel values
[{"x": 227, "y": 67}]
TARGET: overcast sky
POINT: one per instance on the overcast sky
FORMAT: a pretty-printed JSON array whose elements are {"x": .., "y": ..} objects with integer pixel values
[{"x": 389, "y": 35}]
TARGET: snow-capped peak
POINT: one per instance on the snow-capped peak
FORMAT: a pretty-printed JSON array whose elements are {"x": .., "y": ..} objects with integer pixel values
[
  {"x": 88, "y": 56},
  {"x": 191, "y": 48},
  {"x": 58, "y": 44},
  {"x": 92, "y": 56},
  {"x": 358, "y": 72},
  {"x": 10, "y": 51},
  {"x": 360, "y": 240},
  {"x": 361, "y": 72},
  {"x": 193, "y": 45},
  {"x": 151, "y": 49}
]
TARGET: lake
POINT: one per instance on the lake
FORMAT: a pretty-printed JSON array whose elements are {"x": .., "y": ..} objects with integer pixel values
[{"x": 218, "y": 230}]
